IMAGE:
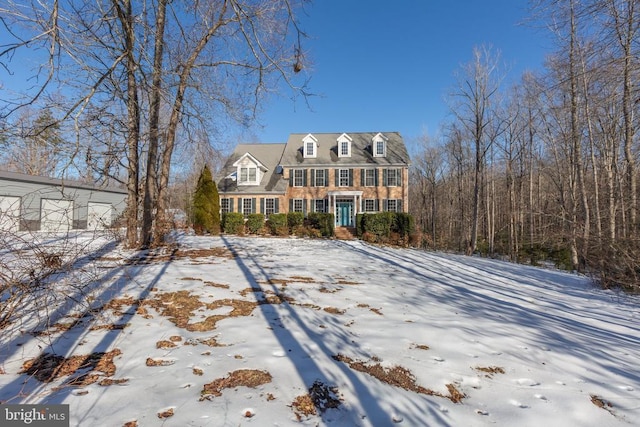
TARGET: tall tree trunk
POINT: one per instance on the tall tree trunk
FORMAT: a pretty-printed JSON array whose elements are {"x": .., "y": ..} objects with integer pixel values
[
  {"x": 150, "y": 185},
  {"x": 125, "y": 15},
  {"x": 174, "y": 121}
]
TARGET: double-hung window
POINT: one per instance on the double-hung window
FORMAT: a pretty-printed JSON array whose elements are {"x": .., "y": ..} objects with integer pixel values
[
  {"x": 393, "y": 177},
  {"x": 247, "y": 207},
  {"x": 344, "y": 178},
  {"x": 319, "y": 205},
  {"x": 298, "y": 205},
  {"x": 248, "y": 174},
  {"x": 370, "y": 205},
  {"x": 379, "y": 148},
  {"x": 369, "y": 177},
  {"x": 319, "y": 178},
  {"x": 269, "y": 207},
  {"x": 298, "y": 177},
  {"x": 224, "y": 205},
  {"x": 392, "y": 205},
  {"x": 344, "y": 148}
]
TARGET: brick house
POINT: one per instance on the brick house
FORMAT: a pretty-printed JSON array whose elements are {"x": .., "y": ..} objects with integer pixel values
[{"x": 340, "y": 173}]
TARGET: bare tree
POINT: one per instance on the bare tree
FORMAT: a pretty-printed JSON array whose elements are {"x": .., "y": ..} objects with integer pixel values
[
  {"x": 195, "y": 61},
  {"x": 477, "y": 86}
]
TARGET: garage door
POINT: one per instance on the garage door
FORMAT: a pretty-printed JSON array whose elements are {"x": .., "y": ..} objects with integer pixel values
[
  {"x": 99, "y": 216},
  {"x": 57, "y": 215},
  {"x": 9, "y": 213}
]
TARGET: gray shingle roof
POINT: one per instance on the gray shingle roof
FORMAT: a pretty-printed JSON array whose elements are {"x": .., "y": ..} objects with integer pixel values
[
  {"x": 291, "y": 155},
  {"x": 267, "y": 154},
  {"x": 361, "y": 153}
]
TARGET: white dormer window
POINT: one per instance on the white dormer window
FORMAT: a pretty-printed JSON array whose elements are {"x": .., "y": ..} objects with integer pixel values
[
  {"x": 310, "y": 146},
  {"x": 248, "y": 175},
  {"x": 249, "y": 170},
  {"x": 344, "y": 145},
  {"x": 379, "y": 145}
]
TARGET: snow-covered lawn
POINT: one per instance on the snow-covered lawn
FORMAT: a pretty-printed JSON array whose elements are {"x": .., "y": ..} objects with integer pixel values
[{"x": 233, "y": 331}]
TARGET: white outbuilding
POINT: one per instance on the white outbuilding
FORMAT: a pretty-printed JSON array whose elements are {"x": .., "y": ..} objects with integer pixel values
[{"x": 37, "y": 203}]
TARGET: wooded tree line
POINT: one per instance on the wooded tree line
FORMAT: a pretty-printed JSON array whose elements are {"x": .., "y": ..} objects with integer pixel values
[
  {"x": 547, "y": 167},
  {"x": 135, "y": 82}
]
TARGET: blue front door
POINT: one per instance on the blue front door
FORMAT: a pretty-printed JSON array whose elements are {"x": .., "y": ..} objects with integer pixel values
[{"x": 343, "y": 214}]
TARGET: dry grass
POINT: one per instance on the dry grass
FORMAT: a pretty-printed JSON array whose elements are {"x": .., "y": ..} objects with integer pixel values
[
  {"x": 166, "y": 414},
  {"x": 165, "y": 344},
  {"x": 303, "y": 279},
  {"x": 241, "y": 378},
  {"x": 397, "y": 376},
  {"x": 420, "y": 346},
  {"x": 490, "y": 371},
  {"x": 159, "y": 362},
  {"x": 47, "y": 367},
  {"x": 216, "y": 285},
  {"x": 319, "y": 398},
  {"x": 333, "y": 310}
]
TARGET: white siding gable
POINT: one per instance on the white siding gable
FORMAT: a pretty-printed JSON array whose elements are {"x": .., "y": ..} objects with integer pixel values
[
  {"x": 344, "y": 145},
  {"x": 249, "y": 171},
  {"x": 310, "y": 147},
  {"x": 379, "y": 145}
]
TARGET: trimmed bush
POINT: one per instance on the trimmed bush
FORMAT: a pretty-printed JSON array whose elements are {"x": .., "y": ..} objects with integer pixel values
[
  {"x": 386, "y": 227},
  {"x": 255, "y": 222},
  {"x": 294, "y": 220},
  {"x": 323, "y": 222},
  {"x": 277, "y": 224},
  {"x": 233, "y": 223}
]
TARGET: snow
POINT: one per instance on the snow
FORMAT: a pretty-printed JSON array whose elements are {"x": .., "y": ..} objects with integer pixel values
[{"x": 526, "y": 346}]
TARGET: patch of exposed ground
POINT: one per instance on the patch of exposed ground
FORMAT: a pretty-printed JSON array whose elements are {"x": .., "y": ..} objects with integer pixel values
[
  {"x": 159, "y": 362},
  {"x": 180, "y": 307},
  {"x": 397, "y": 376},
  {"x": 334, "y": 310},
  {"x": 343, "y": 281},
  {"x": 167, "y": 413},
  {"x": 303, "y": 279},
  {"x": 602, "y": 403},
  {"x": 169, "y": 253},
  {"x": 216, "y": 285},
  {"x": 82, "y": 369},
  {"x": 420, "y": 346},
  {"x": 319, "y": 398},
  {"x": 251, "y": 378},
  {"x": 490, "y": 371},
  {"x": 375, "y": 310},
  {"x": 267, "y": 296}
]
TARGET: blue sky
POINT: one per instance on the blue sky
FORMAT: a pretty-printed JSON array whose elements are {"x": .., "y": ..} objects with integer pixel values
[{"x": 388, "y": 65}]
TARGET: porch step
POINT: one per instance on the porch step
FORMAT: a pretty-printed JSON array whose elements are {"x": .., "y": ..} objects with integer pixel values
[{"x": 345, "y": 233}]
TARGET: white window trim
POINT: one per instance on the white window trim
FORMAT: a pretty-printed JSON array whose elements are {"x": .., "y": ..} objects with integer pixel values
[
  {"x": 248, "y": 181},
  {"x": 244, "y": 200},
  {"x": 397, "y": 176},
  {"x": 273, "y": 207},
  {"x": 340, "y": 177},
  {"x": 373, "y": 178},
  {"x": 364, "y": 203},
  {"x": 324, "y": 178},
  {"x": 223, "y": 201},
  {"x": 301, "y": 201},
  {"x": 295, "y": 172}
]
